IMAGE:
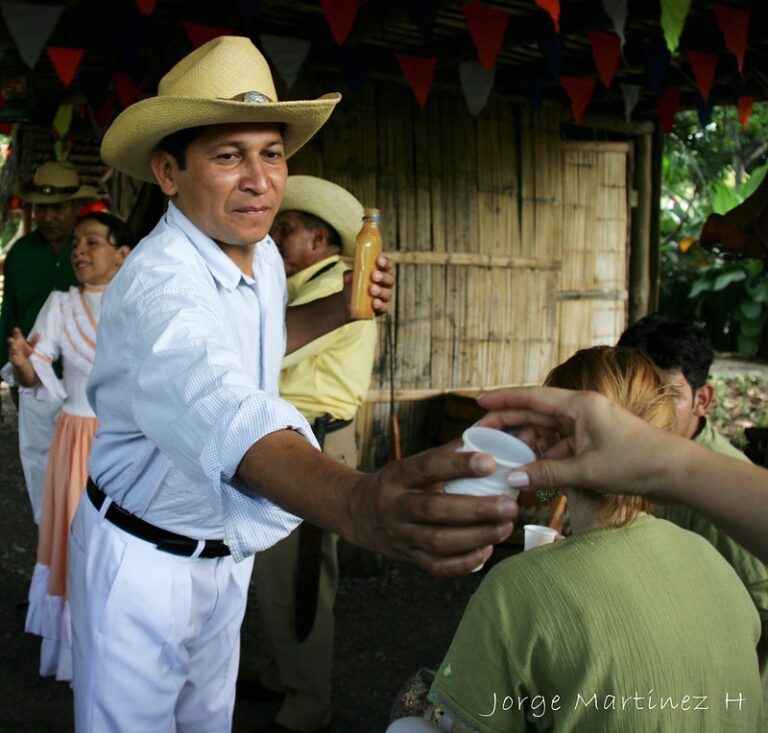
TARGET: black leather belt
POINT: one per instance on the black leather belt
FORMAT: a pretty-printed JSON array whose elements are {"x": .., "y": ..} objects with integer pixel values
[
  {"x": 326, "y": 424},
  {"x": 166, "y": 541}
]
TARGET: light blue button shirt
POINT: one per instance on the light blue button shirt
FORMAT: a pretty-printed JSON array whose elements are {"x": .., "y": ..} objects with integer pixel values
[{"x": 186, "y": 380}]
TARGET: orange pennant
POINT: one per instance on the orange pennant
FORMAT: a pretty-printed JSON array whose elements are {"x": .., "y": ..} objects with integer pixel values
[
  {"x": 419, "y": 73},
  {"x": 744, "y": 105},
  {"x": 580, "y": 91},
  {"x": 200, "y": 34},
  {"x": 606, "y": 50},
  {"x": 734, "y": 23},
  {"x": 66, "y": 62},
  {"x": 340, "y": 15},
  {"x": 553, "y": 8},
  {"x": 487, "y": 27},
  {"x": 146, "y": 7},
  {"x": 703, "y": 65}
]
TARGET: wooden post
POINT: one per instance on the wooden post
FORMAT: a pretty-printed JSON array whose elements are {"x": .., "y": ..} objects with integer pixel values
[
  {"x": 654, "y": 254},
  {"x": 640, "y": 242}
]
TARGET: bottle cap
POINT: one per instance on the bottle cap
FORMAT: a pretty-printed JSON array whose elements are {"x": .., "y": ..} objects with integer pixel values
[{"x": 374, "y": 214}]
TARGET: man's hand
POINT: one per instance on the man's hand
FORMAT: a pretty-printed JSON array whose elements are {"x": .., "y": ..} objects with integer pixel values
[
  {"x": 382, "y": 285},
  {"x": 401, "y": 511}
]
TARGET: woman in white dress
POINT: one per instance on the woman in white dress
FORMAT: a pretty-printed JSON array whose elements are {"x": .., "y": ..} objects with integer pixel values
[{"x": 65, "y": 328}]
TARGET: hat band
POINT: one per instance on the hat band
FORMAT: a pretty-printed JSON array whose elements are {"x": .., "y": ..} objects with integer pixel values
[{"x": 48, "y": 190}]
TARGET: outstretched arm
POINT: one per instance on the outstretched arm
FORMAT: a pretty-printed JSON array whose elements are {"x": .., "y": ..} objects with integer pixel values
[
  {"x": 597, "y": 444},
  {"x": 398, "y": 511}
]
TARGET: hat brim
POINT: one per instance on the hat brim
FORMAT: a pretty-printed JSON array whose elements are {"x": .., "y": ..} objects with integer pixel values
[
  {"x": 328, "y": 201},
  {"x": 34, "y": 197},
  {"x": 130, "y": 141}
]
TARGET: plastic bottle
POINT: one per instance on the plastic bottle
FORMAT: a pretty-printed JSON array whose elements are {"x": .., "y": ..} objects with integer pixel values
[{"x": 367, "y": 249}]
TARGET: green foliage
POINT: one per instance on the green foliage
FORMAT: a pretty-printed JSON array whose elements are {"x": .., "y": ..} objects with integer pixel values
[
  {"x": 712, "y": 171},
  {"x": 739, "y": 403}
]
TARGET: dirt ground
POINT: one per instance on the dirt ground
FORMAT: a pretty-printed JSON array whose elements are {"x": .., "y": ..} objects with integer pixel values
[{"x": 390, "y": 622}]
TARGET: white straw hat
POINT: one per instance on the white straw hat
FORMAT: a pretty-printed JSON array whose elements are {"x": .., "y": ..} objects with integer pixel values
[
  {"x": 328, "y": 201},
  {"x": 226, "y": 80},
  {"x": 53, "y": 183}
]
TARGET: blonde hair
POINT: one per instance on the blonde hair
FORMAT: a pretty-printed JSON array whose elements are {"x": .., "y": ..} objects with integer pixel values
[{"x": 628, "y": 378}]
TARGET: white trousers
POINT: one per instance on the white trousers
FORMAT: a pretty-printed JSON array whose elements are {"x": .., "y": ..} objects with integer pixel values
[
  {"x": 37, "y": 419},
  {"x": 156, "y": 637}
]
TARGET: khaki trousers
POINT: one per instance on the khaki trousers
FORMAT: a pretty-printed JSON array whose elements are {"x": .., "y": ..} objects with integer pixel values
[{"x": 300, "y": 669}]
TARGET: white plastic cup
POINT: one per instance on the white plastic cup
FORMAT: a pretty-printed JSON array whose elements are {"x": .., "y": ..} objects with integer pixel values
[
  {"x": 537, "y": 535},
  {"x": 508, "y": 451}
]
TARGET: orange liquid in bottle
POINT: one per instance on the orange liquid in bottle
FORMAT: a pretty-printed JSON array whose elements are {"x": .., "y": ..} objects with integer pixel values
[{"x": 367, "y": 249}]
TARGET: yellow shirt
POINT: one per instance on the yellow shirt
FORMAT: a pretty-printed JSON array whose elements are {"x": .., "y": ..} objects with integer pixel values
[{"x": 332, "y": 373}]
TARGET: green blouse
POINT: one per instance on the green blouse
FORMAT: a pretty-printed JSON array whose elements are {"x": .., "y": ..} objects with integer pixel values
[{"x": 637, "y": 629}]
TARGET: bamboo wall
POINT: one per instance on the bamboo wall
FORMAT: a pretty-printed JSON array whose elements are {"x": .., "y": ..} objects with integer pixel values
[{"x": 510, "y": 243}]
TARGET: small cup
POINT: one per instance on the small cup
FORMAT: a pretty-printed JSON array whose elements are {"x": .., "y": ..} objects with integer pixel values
[
  {"x": 538, "y": 534},
  {"x": 508, "y": 452}
]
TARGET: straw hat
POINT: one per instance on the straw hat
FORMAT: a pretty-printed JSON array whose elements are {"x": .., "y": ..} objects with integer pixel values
[
  {"x": 226, "y": 80},
  {"x": 53, "y": 183},
  {"x": 329, "y": 202}
]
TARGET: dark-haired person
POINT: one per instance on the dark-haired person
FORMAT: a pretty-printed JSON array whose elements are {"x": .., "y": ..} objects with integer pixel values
[
  {"x": 198, "y": 464},
  {"x": 37, "y": 264},
  {"x": 684, "y": 352},
  {"x": 66, "y": 328}
]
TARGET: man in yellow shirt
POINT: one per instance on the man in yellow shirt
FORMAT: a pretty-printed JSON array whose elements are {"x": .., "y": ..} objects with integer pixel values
[{"x": 295, "y": 581}]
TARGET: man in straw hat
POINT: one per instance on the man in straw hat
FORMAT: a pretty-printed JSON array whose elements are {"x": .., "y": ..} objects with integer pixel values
[
  {"x": 296, "y": 579},
  {"x": 198, "y": 464},
  {"x": 38, "y": 263}
]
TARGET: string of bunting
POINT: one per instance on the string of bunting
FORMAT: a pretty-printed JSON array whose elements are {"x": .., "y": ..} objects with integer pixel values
[{"x": 30, "y": 27}]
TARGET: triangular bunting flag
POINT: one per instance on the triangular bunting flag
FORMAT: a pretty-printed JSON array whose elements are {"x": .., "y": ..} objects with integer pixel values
[
  {"x": 673, "y": 15},
  {"x": 551, "y": 48},
  {"x": 65, "y": 62},
  {"x": 127, "y": 91},
  {"x": 287, "y": 55},
  {"x": 704, "y": 110},
  {"x": 667, "y": 104},
  {"x": 616, "y": 10},
  {"x": 734, "y": 23},
  {"x": 656, "y": 58},
  {"x": 487, "y": 28},
  {"x": 146, "y": 7},
  {"x": 703, "y": 65},
  {"x": 744, "y": 104},
  {"x": 6, "y": 128},
  {"x": 103, "y": 116},
  {"x": 419, "y": 72},
  {"x": 531, "y": 84},
  {"x": 631, "y": 95},
  {"x": 30, "y": 27},
  {"x": 247, "y": 11},
  {"x": 340, "y": 15},
  {"x": 355, "y": 66},
  {"x": 553, "y": 8},
  {"x": 423, "y": 14},
  {"x": 606, "y": 50},
  {"x": 476, "y": 83},
  {"x": 62, "y": 121},
  {"x": 580, "y": 91},
  {"x": 200, "y": 34}
]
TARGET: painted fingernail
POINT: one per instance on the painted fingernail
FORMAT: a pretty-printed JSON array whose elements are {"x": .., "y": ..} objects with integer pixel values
[{"x": 518, "y": 480}]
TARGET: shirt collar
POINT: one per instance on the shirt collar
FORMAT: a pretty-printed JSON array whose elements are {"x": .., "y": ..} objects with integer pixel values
[
  {"x": 300, "y": 278},
  {"x": 223, "y": 269}
]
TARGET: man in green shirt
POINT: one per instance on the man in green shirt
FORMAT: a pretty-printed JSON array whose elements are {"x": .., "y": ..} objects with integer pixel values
[
  {"x": 683, "y": 351},
  {"x": 37, "y": 264}
]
